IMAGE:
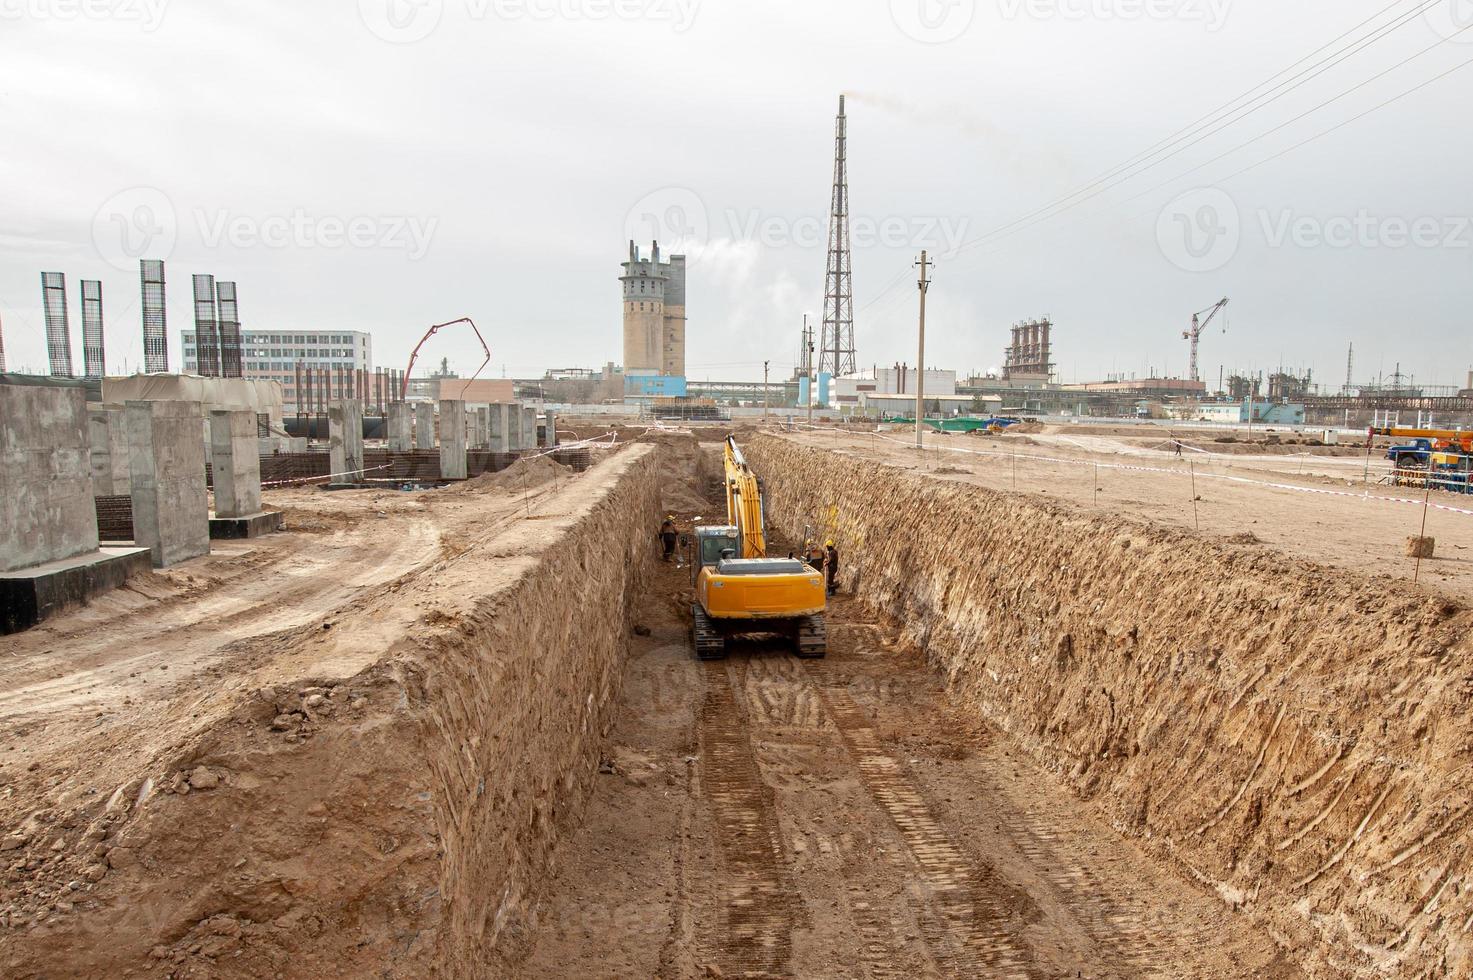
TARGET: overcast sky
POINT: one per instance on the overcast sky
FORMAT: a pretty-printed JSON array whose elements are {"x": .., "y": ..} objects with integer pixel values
[{"x": 385, "y": 164}]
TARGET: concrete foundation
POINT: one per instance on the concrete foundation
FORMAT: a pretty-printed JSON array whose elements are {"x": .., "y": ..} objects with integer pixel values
[
  {"x": 452, "y": 440},
  {"x": 401, "y": 427},
  {"x": 46, "y": 507},
  {"x": 166, "y": 459},
  {"x": 246, "y": 526},
  {"x": 234, "y": 465},
  {"x": 31, "y": 595},
  {"x": 424, "y": 425},
  {"x": 345, "y": 441},
  {"x": 109, "y": 451},
  {"x": 496, "y": 425}
]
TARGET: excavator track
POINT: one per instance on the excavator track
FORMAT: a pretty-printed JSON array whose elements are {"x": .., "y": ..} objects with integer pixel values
[
  {"x": 709, "y": 643},
  {"x": 812, "y": 641}
]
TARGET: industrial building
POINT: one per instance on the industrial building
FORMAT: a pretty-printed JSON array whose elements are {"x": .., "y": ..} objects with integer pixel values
[
  {"x": 654, "y": 314},
  {"x": 274, "y": 355}
]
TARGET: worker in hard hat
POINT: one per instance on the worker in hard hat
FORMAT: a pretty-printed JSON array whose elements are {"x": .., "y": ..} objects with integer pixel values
[
  {"x": 831, "y": 565},
  {"x": 668, "y": 535}
]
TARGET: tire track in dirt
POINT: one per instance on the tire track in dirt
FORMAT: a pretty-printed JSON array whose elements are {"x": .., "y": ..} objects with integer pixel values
[
  {"x": 750, "y": 932},
  {"x": 965, "y": 919}
]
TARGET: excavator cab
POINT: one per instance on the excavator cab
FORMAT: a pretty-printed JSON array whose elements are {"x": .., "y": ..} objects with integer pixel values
[{"x": 741, "y": 590}]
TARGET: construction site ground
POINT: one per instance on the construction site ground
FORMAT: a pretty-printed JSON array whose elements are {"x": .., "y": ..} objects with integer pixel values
[
  {"x": 1312, "y": 502},
  {"x": 767, "y": 816}
]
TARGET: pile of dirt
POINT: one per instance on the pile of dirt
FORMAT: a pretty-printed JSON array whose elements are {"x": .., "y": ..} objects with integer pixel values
[
  {"x": 529, "y": 471},
  {"x": 1295, "y": 738}
]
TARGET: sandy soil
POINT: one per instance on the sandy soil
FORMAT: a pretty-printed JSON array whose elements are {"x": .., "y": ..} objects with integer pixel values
[
  {"x": 1349, "y": 528},
  {"x": 769, "y": 816}
]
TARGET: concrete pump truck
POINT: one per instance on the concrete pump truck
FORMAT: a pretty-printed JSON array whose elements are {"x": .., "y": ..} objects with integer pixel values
[{"x": 739, "y": 589}]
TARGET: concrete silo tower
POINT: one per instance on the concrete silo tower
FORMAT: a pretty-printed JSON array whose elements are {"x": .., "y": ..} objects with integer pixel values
[{"x": 654, "y": 313}]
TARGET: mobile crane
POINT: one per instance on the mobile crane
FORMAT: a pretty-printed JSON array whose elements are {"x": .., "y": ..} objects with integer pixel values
[
  {"x": 1443, "y": 457},
  {"x": 738, "y": 588}
]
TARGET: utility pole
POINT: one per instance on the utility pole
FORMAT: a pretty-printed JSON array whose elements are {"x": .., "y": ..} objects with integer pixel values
[
  {"x": 764, "y": 388},
  {"x": 810, "y": 381},
  {"x": 923, "y": 283}
]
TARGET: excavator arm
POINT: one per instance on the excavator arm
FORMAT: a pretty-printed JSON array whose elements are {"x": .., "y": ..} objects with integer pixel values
[{"x": 744, "y": 502}]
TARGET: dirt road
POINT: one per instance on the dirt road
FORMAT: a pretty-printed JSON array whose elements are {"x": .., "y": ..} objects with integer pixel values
[{"x": 770, "y": 816}]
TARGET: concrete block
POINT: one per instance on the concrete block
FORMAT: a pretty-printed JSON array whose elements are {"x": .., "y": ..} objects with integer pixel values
[
  {"x": 345, "y": 440},
  {"x": 109, "y": 451},
  {"x": 496, "y": 423},
  {"x": 452, "y": 440},
  {"x": 424, "y": 425},
  {"x": 30, "y": 595},
  {"x": 46, "y": 507},
  {"x": 401, "y": 427},
  {"x": 166, "y": 458},
  {"x": 234, "y": 465}
]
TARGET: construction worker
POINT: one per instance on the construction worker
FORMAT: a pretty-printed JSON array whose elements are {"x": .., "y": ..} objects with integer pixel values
[
  {"x": 668, "y": 535},
  {"x": 814, "y": 556},
  {"x": 831, "y": 565}
]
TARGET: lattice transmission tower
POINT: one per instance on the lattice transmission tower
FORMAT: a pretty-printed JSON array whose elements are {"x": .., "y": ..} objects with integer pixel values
[{"x": 836, "y": 352}]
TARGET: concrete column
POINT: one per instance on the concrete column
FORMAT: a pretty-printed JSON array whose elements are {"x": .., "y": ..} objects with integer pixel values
[
  {"x": 345, "y": 440},
  {"x": 452, "y": 440},
  {"x": 497, "y": 428},
  {"x": 513, "y": 428},
  {"x": 166, "y": 460},
  {"x": 234, "y": 464},
  {"x": 483, "y": 427},
  {"x": 401, "y": 427},
  {"x": 424, "y": 425},
  {"x": 529, "y": 427},
  {"x": 109, "y": 451},
  {"x": 46, "y": 507},
  {"x": 549, "y": 429}
]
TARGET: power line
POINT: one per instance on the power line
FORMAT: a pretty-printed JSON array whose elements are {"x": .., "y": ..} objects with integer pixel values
[{"x": 1117, "y": 175}]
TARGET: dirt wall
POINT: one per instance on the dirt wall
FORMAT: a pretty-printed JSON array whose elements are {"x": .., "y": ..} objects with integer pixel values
[
  {"x": 390, "y": 812},
  {"x": 1295, "y": 738}
]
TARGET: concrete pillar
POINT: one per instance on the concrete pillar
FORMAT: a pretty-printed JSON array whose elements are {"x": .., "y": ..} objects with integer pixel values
[
  {"x": 166, "y": 461},
  {"x": 452, "y": 440},
  {"x": 529, "y": 427},
  {"x": 345, "y": 440},
  {"x": 234, "y": 464},
  {"x": 46, "y": 507},
  {"x": 401, "y": 427},
  {"x": 513, "y": 428},
  {"x": 424, "y": 425},
  {"x": 109, "y": 451},
  {"x": 549, "y": 430},
  {"x": 497, "y": 428},
  {"x": 483, "y": 426}
]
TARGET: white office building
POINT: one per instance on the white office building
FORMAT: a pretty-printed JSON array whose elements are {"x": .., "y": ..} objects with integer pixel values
[{"x": 272, "y": 355}]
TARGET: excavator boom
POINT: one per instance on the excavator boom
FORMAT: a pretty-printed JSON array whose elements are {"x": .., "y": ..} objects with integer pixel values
[{"x": 744, "y": 502}]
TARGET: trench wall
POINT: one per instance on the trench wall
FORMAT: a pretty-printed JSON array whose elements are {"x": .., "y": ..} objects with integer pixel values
[
  {"x": 394, "y": 813},
  {"x": 1295, "y": 738}
]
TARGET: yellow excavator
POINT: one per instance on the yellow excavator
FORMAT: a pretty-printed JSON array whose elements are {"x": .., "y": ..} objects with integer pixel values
[{"x": 739, "y": 589}]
